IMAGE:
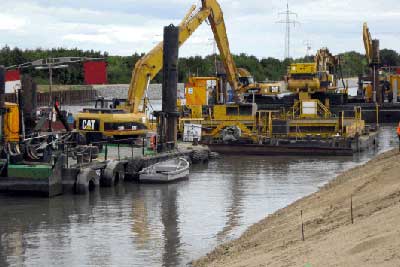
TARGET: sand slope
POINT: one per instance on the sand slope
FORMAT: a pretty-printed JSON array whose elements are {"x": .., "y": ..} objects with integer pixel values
[{"x": 330, "y": 238}]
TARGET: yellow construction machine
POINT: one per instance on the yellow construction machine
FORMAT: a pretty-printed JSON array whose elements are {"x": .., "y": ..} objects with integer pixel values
[
  {"x": 374, "y": 84},
  {"x": 92, "y": 122},
  {"x": 303, "y": 77},
  {"x": 308, "y": 118},
  {"x": 128, "y": 117},
  {"x": 149, "y": 65},
  {"x": 394, "y": 87},
  {"x": 368, "y": 84},
  {"x": 239, "y": 79},
  {"x": 318, "y": 76},
  {"x": 11, "y": 123},
  {"x": 213, "y": 119},
  {"x": 103, "y": 122},
  {"x": 380, "y": 83},
  {"x": 244, "y": 120}
]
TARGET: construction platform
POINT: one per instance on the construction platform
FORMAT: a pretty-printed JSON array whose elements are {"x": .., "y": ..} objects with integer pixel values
[{"x": 301, "y": 147}]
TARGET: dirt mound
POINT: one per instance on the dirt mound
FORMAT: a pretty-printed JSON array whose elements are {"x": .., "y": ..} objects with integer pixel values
[{"x": 330, "y": 237}]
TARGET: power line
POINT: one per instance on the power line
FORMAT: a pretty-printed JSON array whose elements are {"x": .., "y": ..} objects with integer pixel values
[{"x": 288, "y": 21}]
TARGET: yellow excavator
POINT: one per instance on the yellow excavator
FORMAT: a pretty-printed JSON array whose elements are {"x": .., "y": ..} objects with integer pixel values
[
  {"x": 367, "y": 86},
  {"x": 127, "y": 118},
  {"x": 376, "y": 86},
  {"x": 149, "y": 65},
  {"x": 318, "y": 76},
  {"x": 373, "y": 91},
  {"x": 318, "y": 79}
]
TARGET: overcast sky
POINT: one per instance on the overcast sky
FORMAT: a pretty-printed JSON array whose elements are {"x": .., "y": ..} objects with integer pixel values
[{"x": 122, "y": 27}]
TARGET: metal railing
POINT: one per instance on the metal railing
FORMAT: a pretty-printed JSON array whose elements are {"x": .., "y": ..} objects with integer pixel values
[{"x": 70, "y": 148}]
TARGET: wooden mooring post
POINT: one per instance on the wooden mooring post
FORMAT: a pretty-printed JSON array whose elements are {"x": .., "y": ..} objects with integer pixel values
[
  {"x": 302, "y": 225},
  {"x": 351, "y": 209}
]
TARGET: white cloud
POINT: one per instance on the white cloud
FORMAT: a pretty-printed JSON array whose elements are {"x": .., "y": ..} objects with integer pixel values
[
  {"x": 94, "y": 38},
  {"x": 11, "y": 22}
]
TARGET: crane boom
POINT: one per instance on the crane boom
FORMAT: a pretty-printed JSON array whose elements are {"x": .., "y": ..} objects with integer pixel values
[
  {"x": 217, "y": 22},
  {"x": 150, "y": 64},
  {"x": 367, "y": 43}
]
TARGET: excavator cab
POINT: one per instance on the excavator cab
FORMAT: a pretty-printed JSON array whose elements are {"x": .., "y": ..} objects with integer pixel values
[
  {"x": 246, "y": 81},
  {"x": 245, "y": 78},
  {"x": 115, "y": 103}
]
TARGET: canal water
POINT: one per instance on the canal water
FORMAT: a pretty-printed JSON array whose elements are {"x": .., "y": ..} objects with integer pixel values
[{"x": 162, "y": 225}]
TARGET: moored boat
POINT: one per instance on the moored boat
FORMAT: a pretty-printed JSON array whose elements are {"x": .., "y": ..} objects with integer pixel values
[{"x": 166, "y": 171}]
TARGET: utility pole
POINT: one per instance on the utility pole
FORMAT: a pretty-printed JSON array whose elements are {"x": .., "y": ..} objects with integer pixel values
[
  {"x": 50, "y": 66},
  {"x": 288, "y": 21}
]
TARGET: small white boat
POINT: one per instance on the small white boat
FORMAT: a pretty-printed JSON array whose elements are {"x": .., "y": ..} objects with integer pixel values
[{"x": 166, "y": 171}]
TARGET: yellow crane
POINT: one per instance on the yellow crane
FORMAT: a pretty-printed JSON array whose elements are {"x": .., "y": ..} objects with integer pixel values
[
  {"x": 100, "y": 122},
  {"x": 367, "y": 43},
  {"x": 150, "y": 64},
  {"x": 378, "y": 83},
  {"x": 368, "y": 91},
  {"x": 373, "y": 90},
  {"x": 127, "y": 120}
]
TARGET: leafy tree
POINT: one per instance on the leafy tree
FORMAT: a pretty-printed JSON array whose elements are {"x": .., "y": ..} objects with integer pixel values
[
  {"x": 389, "y": 57},
  {"x": 353, "y": 64},
  {"x": 120, "y": 67}
]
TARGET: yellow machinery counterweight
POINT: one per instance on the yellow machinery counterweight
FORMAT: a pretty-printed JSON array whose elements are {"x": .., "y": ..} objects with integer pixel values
[{"x": 11, "y": 123}]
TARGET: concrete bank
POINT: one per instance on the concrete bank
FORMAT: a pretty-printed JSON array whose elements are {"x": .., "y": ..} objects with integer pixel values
[{"x": 330, "y": 237}]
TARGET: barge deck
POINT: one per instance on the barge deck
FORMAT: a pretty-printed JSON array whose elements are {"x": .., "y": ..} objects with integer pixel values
[{"x": 330, "y": 147}]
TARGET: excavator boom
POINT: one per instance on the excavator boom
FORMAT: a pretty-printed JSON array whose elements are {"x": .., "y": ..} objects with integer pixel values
[
  {"x": 217, "y": 22},
  {"x": 325, "y": 60},
  {"x": 367, "y": 42},
  {"x": 149, "y": 65}
]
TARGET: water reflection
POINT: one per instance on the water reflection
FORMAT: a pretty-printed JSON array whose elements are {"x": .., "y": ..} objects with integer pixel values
[
  {"x": 161, "y": 225},
  {"x": 155, "y": 221},
  {"x": 234, "y": 197},
  {"x": 140, "y": 225},
  {"x": 170, "y": 219}
]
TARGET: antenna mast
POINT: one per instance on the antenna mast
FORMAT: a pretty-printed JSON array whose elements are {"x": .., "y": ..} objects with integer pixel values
[{"x": 308, "y": 45}]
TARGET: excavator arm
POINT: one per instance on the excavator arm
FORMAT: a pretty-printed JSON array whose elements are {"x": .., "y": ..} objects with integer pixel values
[
  {"x": 367, "y": 43},
  {"x": 217, "y": 22},
  {"x": 150, "y": 64},
  {"x": 325, "y": 61}
]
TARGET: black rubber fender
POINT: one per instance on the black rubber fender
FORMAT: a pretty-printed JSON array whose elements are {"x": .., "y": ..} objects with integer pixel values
[
  {"x": 86, "y": 181},
  {"x": 113, "y": 173},
  {"x": 199, "y": 156}
]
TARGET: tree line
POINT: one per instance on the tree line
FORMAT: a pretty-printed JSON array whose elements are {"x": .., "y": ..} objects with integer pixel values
[{"x": 120, "y": 68}]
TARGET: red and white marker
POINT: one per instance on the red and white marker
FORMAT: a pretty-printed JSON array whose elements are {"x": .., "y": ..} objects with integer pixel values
[{"x": 13, "y": 81}]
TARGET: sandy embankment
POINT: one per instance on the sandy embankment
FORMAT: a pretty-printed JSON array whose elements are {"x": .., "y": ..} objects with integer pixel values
[{"x": 330, "y": 237}]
